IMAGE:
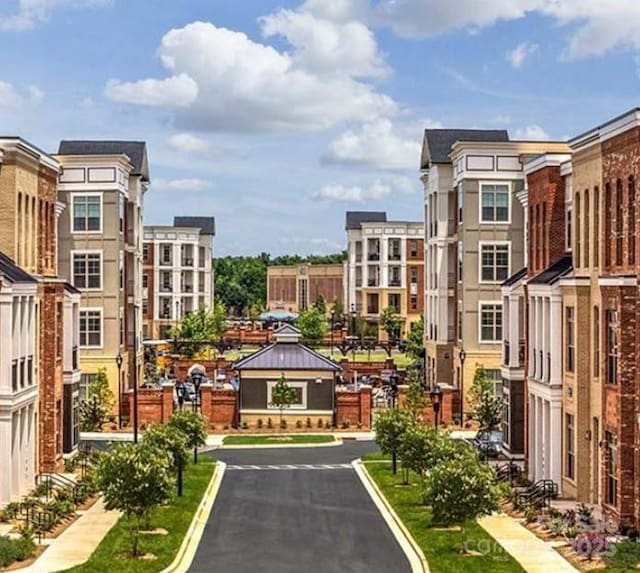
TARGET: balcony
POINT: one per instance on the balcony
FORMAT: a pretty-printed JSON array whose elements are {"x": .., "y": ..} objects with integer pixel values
[
  {"x": 187, "y": 262},
  {"x": 395, "y": 282},
  {"x": 506, "y": 352},
  {"x": 166, "y": 288},
  {"x": 75, "y": 362},
  {"x": 373, "y": 256},
  {"x": 187, "y": 288},
  {"x": 373, "y": 283},
  {"x": 394, "y": 257}
]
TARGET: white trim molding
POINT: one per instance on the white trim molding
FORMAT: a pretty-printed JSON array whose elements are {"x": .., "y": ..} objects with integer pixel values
[
  {"x": 485, "y": 182},
  {"x": 496, "y": 243},
  {"x": 72, "y": 197},
  {"x": 482, "y": 303},
  {"x": 302, "y": 385},
  {"x": 92, "y": 309}
]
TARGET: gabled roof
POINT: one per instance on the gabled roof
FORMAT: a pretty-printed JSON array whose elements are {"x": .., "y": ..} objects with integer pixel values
[
  {"x": 553, "y": 272},
  {"x": 355, "y": 218},
  {"x": 136, "y": 151},
  {"x": 288, "y": 329},
  {"x": 207, "y": 225},
  {"x": 438, "y": 142},
  {"x": 284, "y": 356},
  {"x": 514, "y": 278},
  {"x": 10, "y": 270}
]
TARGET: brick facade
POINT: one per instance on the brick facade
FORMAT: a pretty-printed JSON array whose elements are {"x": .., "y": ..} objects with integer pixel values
[{"x": 354, "y": 408}]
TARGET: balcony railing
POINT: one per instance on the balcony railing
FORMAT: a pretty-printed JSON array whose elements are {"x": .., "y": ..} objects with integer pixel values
[
  {"x": 166, "y": 288},
  {"x": 187, "y": 288},
  {"x": 14, "y": 375},
  {"x": 395, "y": 282},
  {"x": 373, "y": 282},
  {"x": 395, "y": 256},
  {"x": 521, "y": 352},
  {"x": 373, "y": 256},
  {"x": 75, "y": 363},
  {"x": 30, "y": 370},
  {"x": 548, "y": 375},
  {"x": 506, "y": 353},
  {"x": 187, "y": 262},
  {"x": 166, "y": 262},
  {"x": 166, "y": 314}
]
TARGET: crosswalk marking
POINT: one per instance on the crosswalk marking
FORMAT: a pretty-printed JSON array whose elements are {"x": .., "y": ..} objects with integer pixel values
[{"x": 289, "y": 467}]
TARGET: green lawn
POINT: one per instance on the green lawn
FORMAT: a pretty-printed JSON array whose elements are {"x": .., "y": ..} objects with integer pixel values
[
  {"x": 441, "y": 548},
  {"x": 375, "y": 457},
  {"x": 111, "y": 554},
  {"x": 278, "y": 439}
]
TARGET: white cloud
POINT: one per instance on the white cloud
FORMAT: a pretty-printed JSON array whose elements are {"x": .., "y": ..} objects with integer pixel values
[
  {"x": 596, "y": 27},
  {"x": 380, "y": 145},
  {"x": 247, "y": 86},
  {"x": 185, "y": 142},
  {"x": 359, "y": 194},
  {"x": 9, "y": 97},
  {"x": 337, "y": 10},
  {"x": 36, "y": 95},
  {"x": 521, "y": 53},
  {"x": 176, "y": 91},
  {"x": 33, "y": 12},
  {"x": 326, "y": 46},
  {"x": 532, "y": 132},
  {"x": 182, "y": 185}
]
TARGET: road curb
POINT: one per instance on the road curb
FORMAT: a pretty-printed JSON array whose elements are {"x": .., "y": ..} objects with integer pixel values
[
  {"x": 411, "y": 549},
  {"x": 189, "y": 546},
  {"x": 277, "y": 446}
]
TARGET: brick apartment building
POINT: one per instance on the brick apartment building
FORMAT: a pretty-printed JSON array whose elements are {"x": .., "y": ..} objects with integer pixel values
[
  {"x": 29, "y": 212},
  {"x": 177, "y": 273},
  {"x": 297, "y": 287}
]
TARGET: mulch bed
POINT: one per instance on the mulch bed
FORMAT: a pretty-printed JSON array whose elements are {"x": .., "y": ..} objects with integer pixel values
[{"x": 40, "y": 549}]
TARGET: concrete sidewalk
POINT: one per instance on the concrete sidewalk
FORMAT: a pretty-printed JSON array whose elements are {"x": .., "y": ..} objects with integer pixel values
[
  {"x": 535, "y": 555},
  {"x": 76, "y": 544}
]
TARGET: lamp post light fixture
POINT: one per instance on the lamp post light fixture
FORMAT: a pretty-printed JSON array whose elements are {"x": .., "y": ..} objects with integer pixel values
[
  {"x": 461, "y": 355},
  {"x": 353, "y": 319},
  {"x": 196, "y": 376},
  {"x": 436, "y": 399},
  {"x": 120, "y": 389},
  {"x": 333, "y": 317},
  {"x": 181, "y": 391}
]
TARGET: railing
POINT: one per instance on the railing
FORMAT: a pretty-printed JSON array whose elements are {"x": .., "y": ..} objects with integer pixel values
[
  {"x": 166, "y": 288},
  {"x": 187, "y": 288},
  {"x": 548, "y": 376},
  {"x": 373, "y": 282},
  {"x": 166, "y": 262},
  {"x": 165, "y": 314},
  {"x": 373, "y": 256},
  {"x": 394, "y": 257},
  {"x": 521, "y": 352},
  {"x": 14, "y": 375},
  {"x": 186, "y": 262},
  {"x": 539, "y": 494},
  {"x": 395, "y": 282},
  {"x": 75, "y": 363},
  {"x": 506, "y": 353}
]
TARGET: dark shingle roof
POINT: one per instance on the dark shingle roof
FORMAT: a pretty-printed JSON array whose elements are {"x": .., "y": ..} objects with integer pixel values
[
  {"x": 288, "y": 329},
  {"x": 356, "y": 218},
  {"x": 514, "y": 278},
  {"x": 13, "y": 272},
  {"x": 438, "y": 142},
  {"x": 286, "y": 356},
  {"x": 553, "y": 272},
  {"x": 207, "y": 225},
  {"x": 136, "y": 151}
]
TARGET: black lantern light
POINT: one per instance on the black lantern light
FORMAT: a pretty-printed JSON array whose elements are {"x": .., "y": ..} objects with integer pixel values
[
  {"x": 120, "y": 388},
  {"x": 436, "y": 399}
]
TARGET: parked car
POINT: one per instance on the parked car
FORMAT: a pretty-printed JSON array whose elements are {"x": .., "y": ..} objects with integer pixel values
[{"x": 488, "y": 443}]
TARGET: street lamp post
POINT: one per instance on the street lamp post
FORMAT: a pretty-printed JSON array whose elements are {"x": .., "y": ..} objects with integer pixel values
[
  {"x": 333, "y": 316},
  {"x": 393, "y": 380},
  {"x": 197, "y": 380},
  {"x": 181, "y": 391},
  {"x": 120, "y": 389},
  {"x": 353, "y": 320},
  {"x": 462, "y": 355},
  {"x": 135, "y": 373},
  {"x": 436, "y": 397}
]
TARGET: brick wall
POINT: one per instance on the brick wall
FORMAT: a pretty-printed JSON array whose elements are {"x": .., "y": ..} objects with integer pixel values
[
  {"x": 350, "y": 368},
  {"x": 354, "y": 408},
  {"x": 448, "y": 405},
  {"x": 154, "y": 406}
]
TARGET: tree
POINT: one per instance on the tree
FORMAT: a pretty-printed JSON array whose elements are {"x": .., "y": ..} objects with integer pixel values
[
  {"x": 100, "y": 401},
  {"x": 391, "y": 322},
  {"x": 415, "y": 340},
  {"x": 283, "y": 395},
  {"x": 134, "y": 479},
  {"x": 481, "y": 384},
  {"x": 169, "y": 439},
  {"x": 320, "y": 305},
  {"x": 389, "y": 426},
  {"x": 194, "y": 426},
  {"x": 415, "y": 401},
  {"x": 459, "y": 492},
  {"x": 253, "y": 312},
  {"x": 200, "y": 327},
  {"x": 488, "y": 412},
  {"x": 338, "y": 310},
  {"x": 414, "y": 448},
  {"x": 313, "y": 325}
]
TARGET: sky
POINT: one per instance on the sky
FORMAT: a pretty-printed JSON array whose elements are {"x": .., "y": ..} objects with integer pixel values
[{"x": 277, "y": 117}]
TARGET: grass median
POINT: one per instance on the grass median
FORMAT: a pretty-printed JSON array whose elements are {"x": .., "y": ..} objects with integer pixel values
[
  {"x": 278, "y": 440},
  {"x": 113, "y": 552},
  {"x": 440, "y": 547}
]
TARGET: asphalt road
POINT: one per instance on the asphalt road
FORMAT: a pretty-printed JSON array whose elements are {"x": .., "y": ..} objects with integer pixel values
[{"x": 305, "y": 519}]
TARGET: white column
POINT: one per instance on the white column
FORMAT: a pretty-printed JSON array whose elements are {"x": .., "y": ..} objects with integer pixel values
[
  {"x": 5, "y": 454},
  {"x": 541, "y": 422},
  {"x": 532, "y": 333},
  {"x": 532, "y": 437},
  {"x": 15, "y": 454},
  {"x": 555, "y": 338},
  {"x": 555, "y": 433},
  {"x": 514, "y": 329}
]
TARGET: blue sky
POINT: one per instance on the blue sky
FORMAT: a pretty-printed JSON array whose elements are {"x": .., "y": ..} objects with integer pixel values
[{"x": 277, "y": 117}]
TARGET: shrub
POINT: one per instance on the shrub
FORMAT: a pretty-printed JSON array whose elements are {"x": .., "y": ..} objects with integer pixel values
[
  {"x": 299, "y": 424},
  {"x": 40, "y": 490},
  {"x": 12, "y": 550},
  {"x": 569, "y": 517},
  {"x": 345, "y": 424},
  {"x": 244, "y": 426},
  {"x": 556, "y": 525},
  {"x": 283, "y": 424},
  {"x": 70, "y": 465},
  {"x": 585, "y": 514},
  {"x": 259, "y": 424},
  {"x": 327, "y": 425},
  {"x": 625, "y": 556},
  {"x": 9, "y": 512},
  {"x": 320, "y": 423},
  {"x": 530, "y": 514},
  {"x": 269, "y": 423},
  {"x": 308, "y": 423},
  {"x": 570, "y": 532}
]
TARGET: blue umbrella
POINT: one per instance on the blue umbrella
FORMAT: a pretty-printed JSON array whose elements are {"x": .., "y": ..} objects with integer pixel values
[{"x": 279, "y": 315}]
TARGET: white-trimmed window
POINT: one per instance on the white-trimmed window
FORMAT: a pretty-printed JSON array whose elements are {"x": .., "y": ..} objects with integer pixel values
[
  {"x": 301, "y": 393},
  {"x": 494, "y": 262},
  {"x": 86, "y": 213},
  {"x": 91, "y": 327},
  {"x": 87, "y": 269},
  {"x": 490, "y": 322},
  {"x": 495, "y": 203}
]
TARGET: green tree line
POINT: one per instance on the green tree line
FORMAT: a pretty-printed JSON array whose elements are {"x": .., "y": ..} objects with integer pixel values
[{"x": 241, "y": 282}]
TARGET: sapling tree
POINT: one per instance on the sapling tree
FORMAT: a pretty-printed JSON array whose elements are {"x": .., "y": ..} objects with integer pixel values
[
  {"x": 170, "y": 439},
  {"x": 194, "y": 426},
  {"x": 134, "y": 479},
  {"x": 283, "y": 396},
  {"x": 389, "y": 427},
  {"x": 415, "y": 400}
]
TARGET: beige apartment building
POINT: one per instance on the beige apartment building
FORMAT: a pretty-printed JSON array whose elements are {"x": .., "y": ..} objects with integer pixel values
[
  {"x": 385, "y": 267},
  {"x": 474, "y": 224},
  {"x": 102, "y": 186},
  {"x": 177, "y": 273}
]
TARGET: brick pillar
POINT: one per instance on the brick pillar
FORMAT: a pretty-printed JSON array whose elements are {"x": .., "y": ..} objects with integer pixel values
[
  {"x": 168, "y": 393},
  {"x": 365, "y": 406},
  {"x": 205, "y": 402}
]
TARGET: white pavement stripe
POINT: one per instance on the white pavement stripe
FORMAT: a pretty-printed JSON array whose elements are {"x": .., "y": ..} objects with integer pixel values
[{"x": 290, "y": 467}]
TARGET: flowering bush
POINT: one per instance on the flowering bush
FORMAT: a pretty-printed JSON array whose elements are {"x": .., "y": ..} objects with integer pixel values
[{"x": 590, "y": 544}]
